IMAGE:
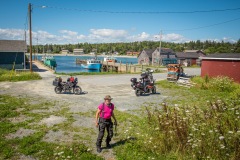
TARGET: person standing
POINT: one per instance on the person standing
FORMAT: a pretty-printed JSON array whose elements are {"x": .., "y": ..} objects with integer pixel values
[{"x": 104, "y": 121}]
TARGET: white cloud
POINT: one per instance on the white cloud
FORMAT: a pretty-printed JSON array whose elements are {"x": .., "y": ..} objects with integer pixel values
[
  {"x": 16, "y": 34},
  {"x": 70, "y": 33},
  {"x": 108, "y": 33},
  {"x": 95, "y": 36}
]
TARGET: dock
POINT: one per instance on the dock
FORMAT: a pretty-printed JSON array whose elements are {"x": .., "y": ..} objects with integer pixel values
[
  {"x": 114, "y": 66},
  {"x": 119, "y": 67}
]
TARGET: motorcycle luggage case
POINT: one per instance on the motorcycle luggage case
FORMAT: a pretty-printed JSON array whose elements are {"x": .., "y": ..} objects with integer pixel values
[
  {"x": 55, "y": 83},
  {"x": 133, "y": 80},
  {"x": 144, "y": 75}
]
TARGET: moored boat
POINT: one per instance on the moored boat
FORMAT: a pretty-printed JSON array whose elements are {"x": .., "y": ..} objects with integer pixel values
[
  {"x": 110, "y": 59},
  {"x": 92, "y": 64},
  {"x": 50, "y": 62}
]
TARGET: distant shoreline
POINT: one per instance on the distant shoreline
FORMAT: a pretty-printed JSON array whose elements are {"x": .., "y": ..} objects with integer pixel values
[{"x": 124, "y": 56}]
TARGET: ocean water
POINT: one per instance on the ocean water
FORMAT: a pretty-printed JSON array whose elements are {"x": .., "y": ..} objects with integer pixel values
[{"x": 67, "y": 64}]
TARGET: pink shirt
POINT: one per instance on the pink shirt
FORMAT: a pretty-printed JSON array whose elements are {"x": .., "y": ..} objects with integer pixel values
[{"x": 108, "y": 110}]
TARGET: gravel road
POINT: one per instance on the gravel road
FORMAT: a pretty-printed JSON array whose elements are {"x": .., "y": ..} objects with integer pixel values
[{"x": 94, "y": 88}]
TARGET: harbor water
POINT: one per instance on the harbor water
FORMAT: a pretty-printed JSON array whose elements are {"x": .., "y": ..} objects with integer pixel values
[{"x": 67, "y": 64}]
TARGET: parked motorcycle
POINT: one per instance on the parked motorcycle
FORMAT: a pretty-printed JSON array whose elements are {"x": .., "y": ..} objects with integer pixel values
[
  {"x": 146, "y": 84},
  {"x": 67, "y": 86}
]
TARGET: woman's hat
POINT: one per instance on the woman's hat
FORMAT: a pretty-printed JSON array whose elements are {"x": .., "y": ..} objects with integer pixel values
[{"x": 108, "y": 97}]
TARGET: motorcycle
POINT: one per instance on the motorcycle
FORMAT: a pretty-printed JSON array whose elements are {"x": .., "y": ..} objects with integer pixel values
[
  {"x": 146, "y": 84},
  {"x": 67, "y": 86}
]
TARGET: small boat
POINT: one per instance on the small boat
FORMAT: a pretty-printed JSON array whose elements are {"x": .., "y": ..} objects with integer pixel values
[
  {"x": 50, "y": 61},
  {"x": 110, "y": 59},
  {"x": 92, "y": 64}
]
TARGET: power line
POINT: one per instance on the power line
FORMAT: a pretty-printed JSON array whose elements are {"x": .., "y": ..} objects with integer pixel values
[
  {"x": 205, "y": 26},
  {"x": 140, "y": 12}
]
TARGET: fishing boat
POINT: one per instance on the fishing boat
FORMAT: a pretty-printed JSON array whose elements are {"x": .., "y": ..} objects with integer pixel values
[
  {"x": 92, "y": 64},
  {"x": 110, "y": 59},
  {"x": 50, "y": 61}
]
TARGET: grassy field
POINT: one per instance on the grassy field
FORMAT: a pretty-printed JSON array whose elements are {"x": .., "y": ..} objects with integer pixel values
[
  {"x": 201, "y": 122},
  {"x": 197, "y": 123},
  {"x": 9, "y": 75}
]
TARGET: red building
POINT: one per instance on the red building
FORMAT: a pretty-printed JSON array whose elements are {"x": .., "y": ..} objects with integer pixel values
[{"x": 224, "y": 64}]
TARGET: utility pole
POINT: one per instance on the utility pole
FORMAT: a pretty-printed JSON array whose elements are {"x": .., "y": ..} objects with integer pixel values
[
  {"x": 160, "y": 45},
  {"x": 30, "y": 33}
]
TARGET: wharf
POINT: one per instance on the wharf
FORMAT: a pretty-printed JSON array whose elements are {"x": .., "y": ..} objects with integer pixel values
[{"x": 119, "y": 67}]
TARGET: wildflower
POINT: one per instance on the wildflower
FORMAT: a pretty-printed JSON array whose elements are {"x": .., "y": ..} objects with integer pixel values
[
  {"x": 126, "y": 130},
  {"x": 210, "y": 131},
  {"x": 68, "y": 157},
  {"x": 176, "y": 105},
  {"x": 221, "y": 137},
  {"x": 150, "y": 141},
  {"x": 222, "y": 146},
  {"x": 238, "y": 131},
  {"x": 237, "y": 113},
  {"x": 187, "y": 111},
  {"x": 88, "y": 149},
  {"x": 156, "y": 128},
  {"x": 155, "y": 146},
  {"x": 231, "y": 132},
  {"x": 60, "y": 153},
  {"x": 202, "y": 134}
]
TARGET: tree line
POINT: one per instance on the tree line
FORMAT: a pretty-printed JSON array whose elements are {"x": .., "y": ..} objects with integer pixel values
[{"x": 207, "y": 47}]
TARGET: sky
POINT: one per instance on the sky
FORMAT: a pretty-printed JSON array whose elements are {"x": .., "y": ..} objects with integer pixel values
[{"x": 115, "y": 21}]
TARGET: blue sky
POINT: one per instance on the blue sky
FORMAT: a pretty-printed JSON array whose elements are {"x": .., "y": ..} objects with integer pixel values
[{"x": 97, "y": 21}]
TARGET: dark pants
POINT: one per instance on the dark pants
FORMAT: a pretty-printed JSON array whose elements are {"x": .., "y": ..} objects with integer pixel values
[{"x": 104, "y": 123}]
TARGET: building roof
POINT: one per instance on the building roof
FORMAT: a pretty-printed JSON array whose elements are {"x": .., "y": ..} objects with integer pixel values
[
  {"x": 149, "y": 52},
  {"x": 187, "y": 55},
  {"x": 192, "y": 51},
  {"x": 13, "y": 46},
  {"x": 165, "y": 50},
  {"x": 223, "y": 56}
]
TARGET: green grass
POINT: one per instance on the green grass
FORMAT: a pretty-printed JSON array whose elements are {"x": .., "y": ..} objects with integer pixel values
[
  {"x": 201, "y": 122},
  {"x": 9, "y": 75},
  {"x": 32, "y": 145},
  {"x": 196, "y": 123}
]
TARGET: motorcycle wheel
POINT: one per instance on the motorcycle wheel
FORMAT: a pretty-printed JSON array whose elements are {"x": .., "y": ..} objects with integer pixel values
[
  {"x": 58, "y": 90},
  {"x": 137, "y": 92},
  {"x": 154, "y": 90},
  {"x": 77, "y": 90}
]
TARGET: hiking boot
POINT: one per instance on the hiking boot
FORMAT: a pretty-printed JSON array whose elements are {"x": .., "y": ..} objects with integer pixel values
[
  {"x": 99, "y": 150},
  {"x": 108, "y": 145}
]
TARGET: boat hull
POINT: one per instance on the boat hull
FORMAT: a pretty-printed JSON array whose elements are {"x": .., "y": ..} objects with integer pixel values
[{"x": 92, "y": 66}]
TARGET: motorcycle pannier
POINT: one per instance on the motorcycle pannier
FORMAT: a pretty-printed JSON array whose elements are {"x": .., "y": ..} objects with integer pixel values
[{"x": 134, "y": 80}]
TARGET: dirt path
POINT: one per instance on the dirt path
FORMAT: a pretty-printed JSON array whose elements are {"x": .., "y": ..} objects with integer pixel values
[{"x": 95, "y": 88}]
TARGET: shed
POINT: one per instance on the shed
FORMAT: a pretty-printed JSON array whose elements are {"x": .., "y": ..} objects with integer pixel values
[
  {"x": 145, "y": 57},
  {"x": 187, "y": 58},
  {"x": 78, "y": 51},
  {"x": 224, "y": 64},
  {"x": 65, "y": 51},
  {"x": 165, "y": 57},
  {"x": 12, "y": 54}
]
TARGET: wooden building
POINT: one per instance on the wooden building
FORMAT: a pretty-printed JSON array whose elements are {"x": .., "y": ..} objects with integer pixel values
[
  {"x": 12, "y": 54},
  {"x": 153, "y": 57},
  {"x": 78, "y": 51},
  {"x": 132, "y": 53},
  {"x": 187, "y": 59},
  {"x": 65, "y": 51},
  {"x": 224, "y": 64}
]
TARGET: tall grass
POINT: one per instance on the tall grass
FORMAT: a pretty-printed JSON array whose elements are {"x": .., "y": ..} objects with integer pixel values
[
  {"x": 208, "y": 130},
  {"x": 6, "y": 75}
]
